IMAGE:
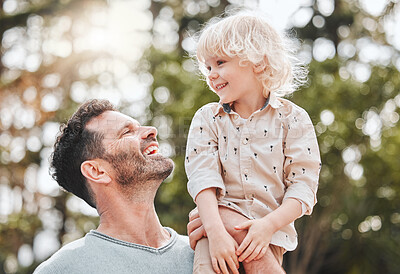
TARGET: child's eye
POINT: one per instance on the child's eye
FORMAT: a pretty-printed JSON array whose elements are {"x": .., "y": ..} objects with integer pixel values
[
  {"x": 209, "y": 68},
  {"x": 220, "y": 62}
]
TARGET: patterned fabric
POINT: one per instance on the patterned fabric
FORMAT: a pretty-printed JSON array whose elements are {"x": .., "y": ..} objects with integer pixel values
[{"x": 255, "y": 163}]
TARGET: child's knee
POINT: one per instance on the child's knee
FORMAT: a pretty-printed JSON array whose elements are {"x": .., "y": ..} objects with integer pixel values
[
  {"x": 270, "y": 263},
  {"x": 231, "y": 218}
]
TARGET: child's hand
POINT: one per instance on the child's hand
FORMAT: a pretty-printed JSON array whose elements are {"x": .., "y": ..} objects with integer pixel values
[
  {"x": 222, "y": 251},
  {"x": 256, "y": 242}
]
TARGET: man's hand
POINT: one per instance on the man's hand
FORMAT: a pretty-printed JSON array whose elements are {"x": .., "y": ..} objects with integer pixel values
[
  {"x": 222, "y": 252},
  {"x": 256, "y": 242},
  {"x": 195, "y": 228}
]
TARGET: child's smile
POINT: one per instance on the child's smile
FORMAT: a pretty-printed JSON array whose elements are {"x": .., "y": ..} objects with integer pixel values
[{"x": 221, "y": 86}]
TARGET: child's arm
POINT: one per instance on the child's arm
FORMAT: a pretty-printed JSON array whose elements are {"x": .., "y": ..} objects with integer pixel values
[
  {"x": 260, "y": 231},
  {"x": 222, "y": 245},
  {"x": 202, "y": 163},
  {"x": 205, "y": 184}
]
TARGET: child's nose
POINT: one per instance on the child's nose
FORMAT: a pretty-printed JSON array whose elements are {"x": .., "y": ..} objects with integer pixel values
[{"x": 213, "y": 75}]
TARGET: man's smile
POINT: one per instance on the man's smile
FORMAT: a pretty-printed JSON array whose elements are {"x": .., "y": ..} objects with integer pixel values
[{"x": 150, "y": 150}]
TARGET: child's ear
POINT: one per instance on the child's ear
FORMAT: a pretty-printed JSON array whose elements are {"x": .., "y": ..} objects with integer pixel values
[
  {"x": 259, "y": 68},
  {"x": 94, "y": 171}
]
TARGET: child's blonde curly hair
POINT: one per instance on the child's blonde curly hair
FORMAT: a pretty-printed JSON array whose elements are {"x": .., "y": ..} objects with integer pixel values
[{"x": 248, "y": 36}]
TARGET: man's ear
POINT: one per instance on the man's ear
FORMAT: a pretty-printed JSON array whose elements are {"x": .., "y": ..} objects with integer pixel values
[{"x": 94, "y": 171}]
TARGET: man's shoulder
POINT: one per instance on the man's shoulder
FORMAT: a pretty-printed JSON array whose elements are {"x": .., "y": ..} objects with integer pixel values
[
  {"x": 99, "y": 253},
  {"x": 180, "y": 255},
  {"x": 65, "y": 256},
  {"x": 181, "y": 240}
]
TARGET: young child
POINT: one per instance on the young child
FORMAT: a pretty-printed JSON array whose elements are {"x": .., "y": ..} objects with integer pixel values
[{"x": 253, "y": 155}]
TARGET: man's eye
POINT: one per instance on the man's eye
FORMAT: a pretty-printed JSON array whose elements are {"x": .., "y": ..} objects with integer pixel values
[
  {"x": 126, "y": 132},
  {"x": 220, "y": 62}
]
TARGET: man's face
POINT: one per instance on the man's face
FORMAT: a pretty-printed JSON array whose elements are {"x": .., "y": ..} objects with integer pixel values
[{"x": 131, "y": 149}]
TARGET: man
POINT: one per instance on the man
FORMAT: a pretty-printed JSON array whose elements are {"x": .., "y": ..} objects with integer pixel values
[{"x": 112, "y": 162}]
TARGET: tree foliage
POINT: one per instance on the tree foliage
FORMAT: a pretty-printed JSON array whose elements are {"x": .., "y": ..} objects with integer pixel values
[{"x": 352, "y": 97}]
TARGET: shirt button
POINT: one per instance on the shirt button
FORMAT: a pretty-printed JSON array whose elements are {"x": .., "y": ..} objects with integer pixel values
[{"x": 245, "y": 141}]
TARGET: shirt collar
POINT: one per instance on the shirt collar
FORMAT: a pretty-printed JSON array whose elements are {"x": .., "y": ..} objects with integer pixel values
[{"x": 272, "y": 100}]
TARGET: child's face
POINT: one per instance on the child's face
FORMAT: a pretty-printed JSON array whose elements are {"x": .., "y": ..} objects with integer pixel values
[{"x": 230, "y": 81}]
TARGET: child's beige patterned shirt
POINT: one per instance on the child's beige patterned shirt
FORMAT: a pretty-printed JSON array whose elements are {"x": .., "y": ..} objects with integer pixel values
[{"x": 255, "y": 163}]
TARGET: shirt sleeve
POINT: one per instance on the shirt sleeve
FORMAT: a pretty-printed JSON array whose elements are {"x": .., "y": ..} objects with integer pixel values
[
  {"x": 302, "y": 161},
  {"x": 202, "y": 164}
]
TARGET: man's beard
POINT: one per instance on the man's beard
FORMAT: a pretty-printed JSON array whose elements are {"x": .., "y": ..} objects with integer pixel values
[{"x": 132, "y": 170}]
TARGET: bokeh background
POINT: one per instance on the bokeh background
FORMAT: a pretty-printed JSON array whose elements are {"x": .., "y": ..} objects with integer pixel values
[{"x": 55, "y": 54}]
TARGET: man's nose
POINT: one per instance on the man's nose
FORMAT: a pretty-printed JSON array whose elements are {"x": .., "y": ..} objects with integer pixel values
[{"x": 149, "y": 132}]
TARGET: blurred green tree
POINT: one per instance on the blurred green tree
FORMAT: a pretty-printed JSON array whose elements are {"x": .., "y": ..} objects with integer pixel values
[{"x": 352, "y": 97}]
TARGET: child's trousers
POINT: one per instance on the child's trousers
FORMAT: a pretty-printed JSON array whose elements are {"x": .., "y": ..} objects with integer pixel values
[{"x": 202, "y": 260}]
